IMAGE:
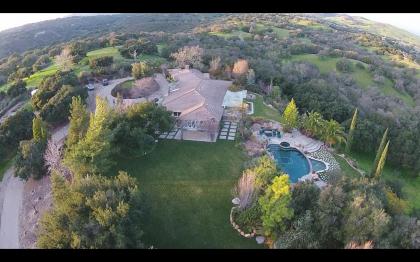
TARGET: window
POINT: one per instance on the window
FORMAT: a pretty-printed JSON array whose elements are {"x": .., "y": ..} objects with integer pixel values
[{"x": 177, "y": 114}]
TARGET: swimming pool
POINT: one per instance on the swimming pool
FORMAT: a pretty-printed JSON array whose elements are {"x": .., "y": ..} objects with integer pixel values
[
  {"x": 317, "y": 165},
  {"x": 290, "y": 161}
]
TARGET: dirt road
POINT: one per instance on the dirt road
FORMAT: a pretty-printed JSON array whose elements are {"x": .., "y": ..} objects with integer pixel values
[
  {"x": 11, "y": 194},
  {"x": 12, "y": 190}
]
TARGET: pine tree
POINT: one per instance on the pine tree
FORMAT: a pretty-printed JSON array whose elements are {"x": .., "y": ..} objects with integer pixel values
[
  {"x": 379, "y": 153},
  {"x": 382, "y": 160},
  {"x": 78, "y": 121},
  {"x": 351, "y": 131},
  {"x": 290, "y": 116}
]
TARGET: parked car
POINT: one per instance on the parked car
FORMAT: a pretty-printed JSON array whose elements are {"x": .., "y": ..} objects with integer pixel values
[{"x": 105, "y": 82}]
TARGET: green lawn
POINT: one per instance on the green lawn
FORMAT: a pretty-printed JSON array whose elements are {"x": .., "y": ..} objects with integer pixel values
[
  {"x": 187, "y": 187},
  {"x": 411, "y": 184},
  {"x": 107, "y": 51},
  {"x": 35, "y": 79},
  {"x": 262, "y": 110},
  {"x": 160, "y": 46},
  {"x": 362, "y": 77},
  {"x": 280, "y": 32},
  {"x": 127, "y": 84},
  {"x": 346, "y": 168},
  {"x": 310, "y": 23},
  {"x": 236, "y": 33},
  {"x": 118, "y": 58}
]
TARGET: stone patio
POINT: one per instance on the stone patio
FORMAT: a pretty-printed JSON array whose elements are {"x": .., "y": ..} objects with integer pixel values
[{"x": 295, "y": 139}]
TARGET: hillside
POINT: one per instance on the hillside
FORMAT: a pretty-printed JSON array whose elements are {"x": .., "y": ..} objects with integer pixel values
[
  {"x": 374, "y": 27},
  {"x": 42, "y": 34}
]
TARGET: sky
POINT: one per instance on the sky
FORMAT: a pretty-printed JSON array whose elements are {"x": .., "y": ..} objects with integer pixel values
[{"x": 408, "y": 21}]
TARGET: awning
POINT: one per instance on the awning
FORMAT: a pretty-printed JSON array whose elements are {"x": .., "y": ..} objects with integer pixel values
[{"x": 234, "y": 99}]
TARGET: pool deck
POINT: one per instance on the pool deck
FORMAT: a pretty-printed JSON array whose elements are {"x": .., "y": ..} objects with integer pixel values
[{"x": 297, "y": 140}]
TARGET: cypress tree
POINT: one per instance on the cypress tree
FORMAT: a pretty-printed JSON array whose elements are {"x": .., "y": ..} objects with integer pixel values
[
  {"x": 382, "y": 160},
  {"x": 290, "y": 116},
  {"x": 351, "y": 131},
  {"x": 79, "y": 120},
  {"x": 379, "y": 152},
  {"x": 39, "y": 132}
]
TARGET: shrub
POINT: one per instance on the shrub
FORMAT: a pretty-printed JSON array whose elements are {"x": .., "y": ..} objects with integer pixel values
[
  {"x": 14, "y": 129},
  {"x": 234, "y": 87},
  {"x": 360, "y": 65},
  {"x": 98, "y": 62},
  {"x": 30, "y": 160},
  {"x": 49, "y": 87},
  {"x": 344, "y": 65},
  {"x": 140, "y": 70},
  {"x": 395, "y": 205},
  {"x": 17, "y": 88},
  {"x": 249, "y": 218},
  {"x": 84, "y": 76},
  {"x": 141, "y": 46},
  {"x": 396, "y": 186},
  {"x": 56, "y": 110}
]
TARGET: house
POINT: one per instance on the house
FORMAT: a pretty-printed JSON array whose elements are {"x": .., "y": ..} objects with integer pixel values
[{"x": 196, "y": 101}]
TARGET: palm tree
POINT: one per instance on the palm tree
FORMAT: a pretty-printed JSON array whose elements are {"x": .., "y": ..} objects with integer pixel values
[
  {"x": 312, "y": 123},
  {"x": 332, "y": 132}
]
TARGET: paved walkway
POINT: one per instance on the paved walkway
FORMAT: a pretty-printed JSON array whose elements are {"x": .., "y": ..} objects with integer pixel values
[{"x": 228, "y": 131}]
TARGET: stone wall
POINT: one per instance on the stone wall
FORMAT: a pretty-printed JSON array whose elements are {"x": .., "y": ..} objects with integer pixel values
[{"x": 236, "y": 226}]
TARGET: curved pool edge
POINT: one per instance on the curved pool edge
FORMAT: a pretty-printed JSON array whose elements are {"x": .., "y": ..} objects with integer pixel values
[
  {"x": 327, "y": 165},
  {"x": 300, "y": 151}
]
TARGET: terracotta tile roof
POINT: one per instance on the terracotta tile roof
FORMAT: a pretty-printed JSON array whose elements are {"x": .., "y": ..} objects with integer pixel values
[{"x": 197, "y": 97}]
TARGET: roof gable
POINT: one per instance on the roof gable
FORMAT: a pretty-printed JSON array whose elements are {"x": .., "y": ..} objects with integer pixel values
[{"x": 197, "y": 97}]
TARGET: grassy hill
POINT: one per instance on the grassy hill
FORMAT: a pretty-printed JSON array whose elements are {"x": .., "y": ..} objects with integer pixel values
[
  {"x": 362, "y": 76},
  {"x": 376, "y": 28}
]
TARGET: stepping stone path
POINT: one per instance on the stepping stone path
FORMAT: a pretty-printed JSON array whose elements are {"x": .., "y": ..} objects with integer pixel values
[{"x": 228, "y": 131}]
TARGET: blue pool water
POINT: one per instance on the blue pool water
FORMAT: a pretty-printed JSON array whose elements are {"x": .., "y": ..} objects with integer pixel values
[
  {"x": 290, "y": 161},
  {"x": 317, "y": 165}
]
